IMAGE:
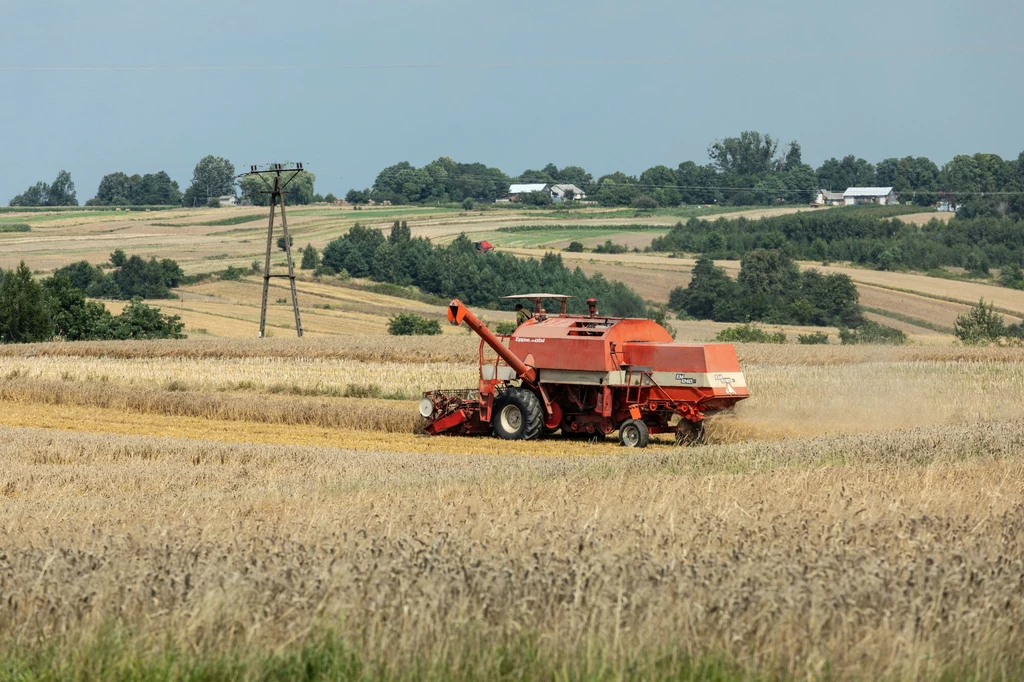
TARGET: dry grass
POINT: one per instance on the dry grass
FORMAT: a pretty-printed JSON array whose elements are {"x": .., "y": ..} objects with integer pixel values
[
  {"x": 350, "y": 413},
  {"x": 896, "y": 555}
]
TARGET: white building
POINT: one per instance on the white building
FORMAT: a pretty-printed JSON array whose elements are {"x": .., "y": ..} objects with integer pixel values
[
  {"x": 870, "y": 195},
  {"x": 566, "y": 192},
  {"x": 515, "y": 191},
  {"x": 827, "y": 198},
  {"x": 559, "y": 193},
  {"x": 227, "y": 200}
]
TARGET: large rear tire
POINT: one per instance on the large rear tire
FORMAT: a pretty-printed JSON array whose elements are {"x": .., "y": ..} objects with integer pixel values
[
  {"x": 634, "y": 434},
  {"x": 517, "y": 415}
]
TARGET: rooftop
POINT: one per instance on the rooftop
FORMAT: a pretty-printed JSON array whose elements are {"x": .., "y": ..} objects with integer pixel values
[
  {"x": 867, "y": 192},
  {"x": 530, "y": 187}
]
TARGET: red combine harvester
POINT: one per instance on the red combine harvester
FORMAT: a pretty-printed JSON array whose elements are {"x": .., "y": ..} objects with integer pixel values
[{"x": 586, "y": 375}]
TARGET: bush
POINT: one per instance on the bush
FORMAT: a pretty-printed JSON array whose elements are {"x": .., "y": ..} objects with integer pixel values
[
  {"x": 467, "y": 205},
  {"x": 213, "y": 202},
  {"x": 233, "y": 273},
  {"x": 140, "y": 321},
  {"x": 872, "y": 332},
  {"x": 280, "y": 242},
  {"x": 14, "y": 227},
  {"x": 749, "y": 333},
  {"x": 980, "y": 325},
  {"x": 644, "y": 203},
  {"x": 817, "y": 338},
  {"x": 1011, "y": 277},
  {"x": 410, "y": 324},
  {"x": 608, "y": 247},
  {"x": 575, "y": 247},
  {"x": 310, "y": 258},
  {"x": 504, "y": 328}
]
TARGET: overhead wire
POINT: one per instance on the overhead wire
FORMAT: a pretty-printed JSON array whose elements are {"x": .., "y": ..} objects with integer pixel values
[{"x": 554, "y": 63}]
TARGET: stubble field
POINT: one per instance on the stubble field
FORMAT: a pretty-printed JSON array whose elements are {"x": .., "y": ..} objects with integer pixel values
[{"x": 244, "y": 509}]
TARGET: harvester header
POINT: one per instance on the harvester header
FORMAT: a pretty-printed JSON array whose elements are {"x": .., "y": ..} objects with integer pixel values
[{"x": 586, "y": 376}]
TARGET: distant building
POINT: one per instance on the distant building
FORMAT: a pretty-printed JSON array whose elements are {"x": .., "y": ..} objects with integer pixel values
[
  {"x": 882, "y": 196},
  {"x": 558, "y": 192},
  {"x": 516, "y": 191},
  {"x": 566, "y": 192},
  {"x": 827, "y": 198},
  {"x": 227, "y": 200}
]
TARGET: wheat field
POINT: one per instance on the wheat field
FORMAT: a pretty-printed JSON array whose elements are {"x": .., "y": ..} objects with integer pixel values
[{"x": 252, "y": 510}]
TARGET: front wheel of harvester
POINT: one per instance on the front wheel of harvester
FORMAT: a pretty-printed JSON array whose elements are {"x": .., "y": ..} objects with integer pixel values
[
  {"x": 634, "y": 434},
  {"x": 517, "y": 415}
]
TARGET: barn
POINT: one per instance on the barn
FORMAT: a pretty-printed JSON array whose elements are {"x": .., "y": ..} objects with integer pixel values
[{"x": 882, "y": 196}]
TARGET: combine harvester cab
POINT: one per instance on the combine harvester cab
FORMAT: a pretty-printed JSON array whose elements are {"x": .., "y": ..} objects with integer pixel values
[{"x": 586, "y": 375}]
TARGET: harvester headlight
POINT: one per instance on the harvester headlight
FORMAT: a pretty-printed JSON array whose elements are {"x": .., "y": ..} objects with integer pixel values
[{"x": 426, "y": 407}]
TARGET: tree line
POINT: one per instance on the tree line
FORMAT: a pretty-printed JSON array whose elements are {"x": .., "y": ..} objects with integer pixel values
[
  {"x": 860, "y": 236},
  {"x": 33, "y": 311},
  {"x": 748, "y": 169},
  {"x": 212, "y": 178},
  {"x": 458, "y": 270},
  {"x": 128, "y": 277}
]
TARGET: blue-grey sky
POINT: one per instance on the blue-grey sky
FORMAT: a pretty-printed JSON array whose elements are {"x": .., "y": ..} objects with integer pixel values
[{"x": 606, "y": 85}]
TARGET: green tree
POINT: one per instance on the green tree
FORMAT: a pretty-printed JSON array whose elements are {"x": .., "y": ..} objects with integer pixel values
[
  {"x": 75, "y": 318},
  {"x": 330, "y": 198},
  {"x": 980, "y": 325},
  {"x": 156, "y": 189},
  {"x": 34, "y": 196},
  {"x": 839, "y": 175},
  {"x": 616, "y": 189},
  {"x": 115, "y": 190},
  {"x": 749, "y": 154},
  {"x": 81, "y": 274},
  {"x": 770, "y": 189},
  {"x": 213, "y": 176},
  {"x": 62, "y": 191},
  {"x": 660, "y": 183},
  {"x": 24, "y": 308},
  {"x": 140, "y": 321},
  {"x": 711, "y": 294},
  {"x": 310, "y": 258}
]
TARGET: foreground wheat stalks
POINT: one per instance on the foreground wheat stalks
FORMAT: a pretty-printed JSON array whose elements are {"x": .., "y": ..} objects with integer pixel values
[{"x": 894, "y": 554}]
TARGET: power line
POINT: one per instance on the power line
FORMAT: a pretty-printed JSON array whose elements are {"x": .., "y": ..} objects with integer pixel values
[{"x": 555, "y": 63}]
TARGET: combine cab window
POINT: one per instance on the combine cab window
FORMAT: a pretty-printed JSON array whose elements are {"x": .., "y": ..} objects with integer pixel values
[{"x": 589, "y": 329}]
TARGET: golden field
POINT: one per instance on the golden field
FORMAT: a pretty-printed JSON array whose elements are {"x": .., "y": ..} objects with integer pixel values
[{"x": 860, "y": 517}]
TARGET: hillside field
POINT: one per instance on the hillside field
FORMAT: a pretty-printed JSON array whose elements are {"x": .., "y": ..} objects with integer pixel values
[{"x": 210, "y": 240}]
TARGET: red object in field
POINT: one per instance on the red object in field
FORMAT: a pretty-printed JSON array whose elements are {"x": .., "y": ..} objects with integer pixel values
[
  {"x": 483, "y": 247},
  {"x": 586, "y": 375}
]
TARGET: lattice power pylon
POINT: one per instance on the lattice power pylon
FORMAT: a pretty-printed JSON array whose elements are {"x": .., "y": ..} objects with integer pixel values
[{"x": 280, "y": 177}]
